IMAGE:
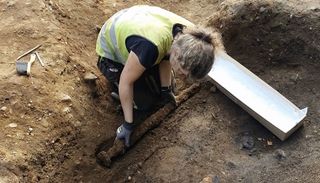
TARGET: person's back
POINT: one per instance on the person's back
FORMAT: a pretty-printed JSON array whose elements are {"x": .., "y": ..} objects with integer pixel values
[
  {"x": 144, "y": 42},
  {"x": 152, "y": 23}
]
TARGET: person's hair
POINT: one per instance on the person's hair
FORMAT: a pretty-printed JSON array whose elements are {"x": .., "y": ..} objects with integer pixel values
[{"x": 195, "y": 49}]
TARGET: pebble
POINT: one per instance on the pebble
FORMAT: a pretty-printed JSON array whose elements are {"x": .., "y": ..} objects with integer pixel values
[
  {"x": 4, "y": 108},
  {"x": 90, "y": 77},
  {"x": 97, "y": 28},
  {"x": 262, "y": 9},
  {"x": 10, "y": 4},
  {"x": 65, "y": 98},
  {"x": 165, "y": 138},
  {"x": 207, "y": 179},
  {"x": 313, "y": 8},
  {"x": 247, "y": 142},
  {"x": 77, "y": 162},
  {"x": 129, "y": 178},
  {"x": 210, "y": 179},
  {"x": 66, "y": 110},
  {"x": 76, "y": 123},
  {"x": 279, "y": 154},
  {"x": 213, "y": 89},
  {"x": 231, "y": 165},
  {"x": 13, "y": 125}
]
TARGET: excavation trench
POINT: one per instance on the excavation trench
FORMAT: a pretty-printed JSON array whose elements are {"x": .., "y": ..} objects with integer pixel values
[
  {"x": 279, "y": 44},
  {"x": 208, "y": 134}
]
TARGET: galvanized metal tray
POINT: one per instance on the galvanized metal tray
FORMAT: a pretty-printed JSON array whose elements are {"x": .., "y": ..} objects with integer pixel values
[{"x": 255, "y": 96}]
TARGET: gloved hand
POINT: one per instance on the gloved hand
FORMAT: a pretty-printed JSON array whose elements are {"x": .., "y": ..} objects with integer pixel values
[
  {"x": 124, "y": 131},
  {"x": 167, "y": 96}
]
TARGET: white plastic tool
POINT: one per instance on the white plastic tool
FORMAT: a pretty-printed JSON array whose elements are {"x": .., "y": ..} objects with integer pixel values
[{"x": 255, "y": 96}]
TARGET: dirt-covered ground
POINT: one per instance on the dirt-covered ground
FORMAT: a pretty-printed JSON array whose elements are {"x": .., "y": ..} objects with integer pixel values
[{"x": 53, "y": 122}]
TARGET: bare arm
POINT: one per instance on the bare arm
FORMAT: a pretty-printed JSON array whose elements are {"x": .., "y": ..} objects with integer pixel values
[{"x": 131, "y": 72}]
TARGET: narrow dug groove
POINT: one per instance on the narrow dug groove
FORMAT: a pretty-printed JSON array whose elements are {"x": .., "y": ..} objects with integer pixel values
[{"x": 109, "y": 153}]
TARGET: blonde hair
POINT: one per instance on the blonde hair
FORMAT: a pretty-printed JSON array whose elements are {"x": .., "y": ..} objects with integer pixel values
[{"x": 195, "y": 49}]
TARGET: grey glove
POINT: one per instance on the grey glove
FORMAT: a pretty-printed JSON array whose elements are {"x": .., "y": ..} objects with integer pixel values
[{"x": 124, "y": 131}]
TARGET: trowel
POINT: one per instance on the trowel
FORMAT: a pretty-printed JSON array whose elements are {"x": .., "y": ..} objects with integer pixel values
[
  {"x": 24, "y": 68},
  {"x": 259, "y": 99}
]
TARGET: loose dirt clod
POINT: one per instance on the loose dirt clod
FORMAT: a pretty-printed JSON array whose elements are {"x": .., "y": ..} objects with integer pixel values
[{"x": 118, "y": 147}]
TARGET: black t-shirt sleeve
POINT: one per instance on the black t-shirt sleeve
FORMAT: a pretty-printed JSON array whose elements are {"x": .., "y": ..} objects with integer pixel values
[{"x": 146, "y": 51}]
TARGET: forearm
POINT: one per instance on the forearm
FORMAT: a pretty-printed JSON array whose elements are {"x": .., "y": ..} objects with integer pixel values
[{"x": 126, "y": 98}]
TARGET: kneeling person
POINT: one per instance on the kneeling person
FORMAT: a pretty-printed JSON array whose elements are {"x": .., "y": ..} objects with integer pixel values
[{"x": 139, "y": 46}]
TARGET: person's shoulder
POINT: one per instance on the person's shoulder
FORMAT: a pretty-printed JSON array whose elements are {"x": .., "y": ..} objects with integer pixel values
[{"x": 146, "y": 51}]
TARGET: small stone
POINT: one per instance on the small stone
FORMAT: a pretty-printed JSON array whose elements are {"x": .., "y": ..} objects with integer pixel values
[
  {"x": 231, "y": 165},
  {"x": 30, "y": 129},
  {"x": 213, "y": 89},
  {"x": 66, "y": 110},
  {"x": 165, "y": 138},
  {"x": 65, "y": 98},
  {"x": 13, "y": 125},
  {"x": 313, "y": 8},
  {"x": 247, "y": 142},
  {"x": 129, "y": 178},
  {"x": 207, "y": 180},
  {"x": 97, "y": 28},
  {"x": 309, "y": 136},
  {"x": 10, "y": 4},
  {"x": 45, "y": 123},
  {"x": 269, "y": 143},
  {"x": 76, "y": 123},
  {"x": 77, "y": 162},
  {"x": 90, "y": 77},
  {"x": 262, "y": 9},
  {"x": 4, "y": 108},
  {"x": 279, "y": 154}
]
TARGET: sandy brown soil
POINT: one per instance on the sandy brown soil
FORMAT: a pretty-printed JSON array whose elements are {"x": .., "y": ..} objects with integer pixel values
[{"x": 56, "y": 140}]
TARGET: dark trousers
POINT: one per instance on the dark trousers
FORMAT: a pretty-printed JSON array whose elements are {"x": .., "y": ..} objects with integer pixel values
[{"x": 146, "y": 91}]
